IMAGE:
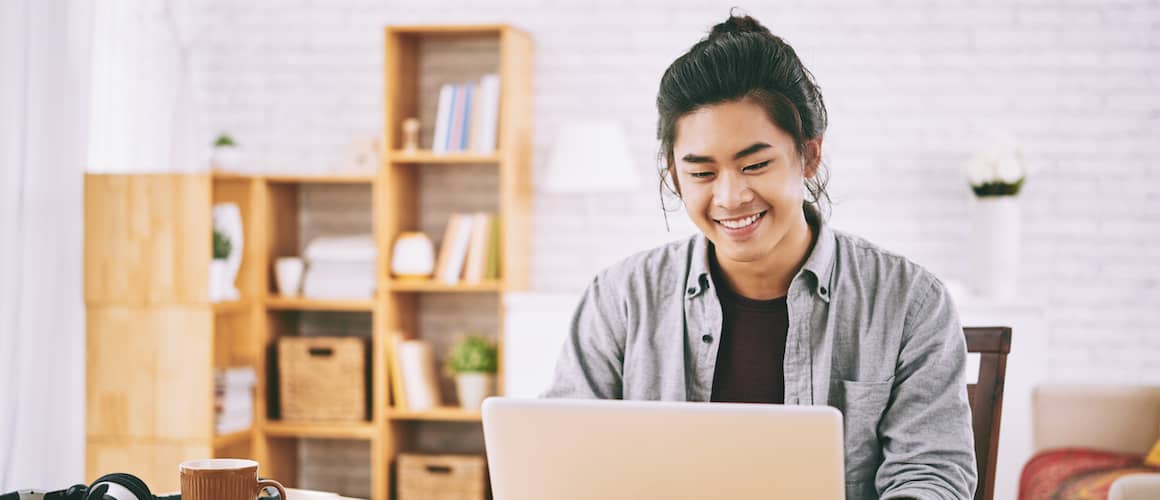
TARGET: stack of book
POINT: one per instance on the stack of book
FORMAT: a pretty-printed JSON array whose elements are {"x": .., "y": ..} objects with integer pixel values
[
  {"x": 234, "y": 399},
  {"x": 467, "y": 116},
  {"x": 470, "y": 249}
]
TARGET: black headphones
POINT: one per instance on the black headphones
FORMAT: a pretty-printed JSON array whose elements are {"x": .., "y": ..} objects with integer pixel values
[{"x": 117, "y": 486}]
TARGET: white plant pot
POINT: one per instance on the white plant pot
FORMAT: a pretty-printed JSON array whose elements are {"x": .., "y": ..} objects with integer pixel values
[
  {"x": 996, "y": 241},
  {"x": 219, "y": 280},
  {"x": 227, "y": 159},
  {"x": 473, "y": 388}
]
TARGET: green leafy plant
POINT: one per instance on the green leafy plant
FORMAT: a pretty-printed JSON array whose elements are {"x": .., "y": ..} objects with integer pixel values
[
  {"x": 221, "y": 245},
  {"x": 224, "y": 141},
  {"x": 473, "y": 354}
]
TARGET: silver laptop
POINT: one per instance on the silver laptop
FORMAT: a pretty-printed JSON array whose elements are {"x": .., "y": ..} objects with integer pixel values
[{"x": 559, "y": 449}]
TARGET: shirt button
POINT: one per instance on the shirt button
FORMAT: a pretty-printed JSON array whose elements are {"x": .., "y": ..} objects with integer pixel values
[
  {"x": 823, "y": 290},
  {"x": 707, "y": 338},
  {"x": 691, "y": 291}
]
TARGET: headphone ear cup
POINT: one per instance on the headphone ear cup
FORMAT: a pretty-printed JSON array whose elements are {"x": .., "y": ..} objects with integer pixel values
[{"x": 129, "y": 483}]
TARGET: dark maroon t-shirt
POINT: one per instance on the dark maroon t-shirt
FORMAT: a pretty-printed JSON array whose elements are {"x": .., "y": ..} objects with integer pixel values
[{"x": 751, "y": 357}]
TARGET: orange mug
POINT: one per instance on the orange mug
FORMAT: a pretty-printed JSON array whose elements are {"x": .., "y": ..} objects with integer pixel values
[{"x": 223, "y": 479}]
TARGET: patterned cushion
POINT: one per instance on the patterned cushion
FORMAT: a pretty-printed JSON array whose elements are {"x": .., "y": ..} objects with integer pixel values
[{"x": 1074, "y": 473}]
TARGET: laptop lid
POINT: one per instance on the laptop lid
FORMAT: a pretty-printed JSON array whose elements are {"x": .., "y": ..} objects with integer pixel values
[{"x": 630, "y": 450}]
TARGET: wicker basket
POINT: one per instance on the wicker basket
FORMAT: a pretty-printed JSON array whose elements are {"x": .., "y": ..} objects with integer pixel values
[
  {"x": 442, "y": 477},
  {"x": 323, "y": 378}
]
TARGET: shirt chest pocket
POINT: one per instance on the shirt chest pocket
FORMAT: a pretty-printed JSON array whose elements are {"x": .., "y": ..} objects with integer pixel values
[{"x": 862, "y": 405}]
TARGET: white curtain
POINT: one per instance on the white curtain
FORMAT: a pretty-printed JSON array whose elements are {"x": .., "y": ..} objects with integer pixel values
[{"x": 44, "y": 56}]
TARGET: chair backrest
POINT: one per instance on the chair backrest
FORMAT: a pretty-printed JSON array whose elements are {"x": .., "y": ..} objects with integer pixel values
[{"x": 986, "y": 398}]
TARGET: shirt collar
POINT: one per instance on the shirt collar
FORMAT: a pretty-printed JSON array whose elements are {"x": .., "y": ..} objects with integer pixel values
[{"x": 820, "y": 262}]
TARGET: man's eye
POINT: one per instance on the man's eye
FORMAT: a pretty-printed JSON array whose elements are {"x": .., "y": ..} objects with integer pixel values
[
  {"x": 700, "y": 175},
  {"x": 756, "y": 166}
]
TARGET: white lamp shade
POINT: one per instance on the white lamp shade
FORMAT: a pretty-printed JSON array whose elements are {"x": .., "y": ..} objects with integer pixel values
[{"x": 590, "y": 156}]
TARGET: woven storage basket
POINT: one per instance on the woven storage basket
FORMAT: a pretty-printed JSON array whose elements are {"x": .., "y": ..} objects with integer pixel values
[
  {"x": 323, "y": 378},
  {"x": 442, "y": 477}
]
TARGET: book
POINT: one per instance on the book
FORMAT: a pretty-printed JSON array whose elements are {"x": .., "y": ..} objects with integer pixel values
[
  {"x": 417, "y": 367},
  {"x": 489, "y": 94},
  {"x": 458, "y": 114},
  {"x": 457, "y": 252},
  {"x": 465, "y": 130},
  {"x": 442, "y": 117},
  {"x": 494, "y": 245},
  {"x": 449, "y": 233},
  {"x": 395, "y": 367},
  {"x": 475, "y": 269}
]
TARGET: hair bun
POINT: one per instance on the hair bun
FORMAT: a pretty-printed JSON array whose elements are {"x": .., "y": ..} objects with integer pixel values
[{"x": 738, "y": 24}]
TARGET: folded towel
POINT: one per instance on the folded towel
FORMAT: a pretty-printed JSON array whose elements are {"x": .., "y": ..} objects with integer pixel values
[{"x": 358, "y": 248}]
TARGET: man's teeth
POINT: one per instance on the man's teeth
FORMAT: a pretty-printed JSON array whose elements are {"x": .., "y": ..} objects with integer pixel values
[{"x": 740, "y": 223}]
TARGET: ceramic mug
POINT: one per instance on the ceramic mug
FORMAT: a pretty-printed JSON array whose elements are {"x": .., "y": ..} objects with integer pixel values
[{"x": 223, "y": 479}]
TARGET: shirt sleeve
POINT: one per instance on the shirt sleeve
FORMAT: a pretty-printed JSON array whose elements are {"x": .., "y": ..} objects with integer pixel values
[
  {"x": 591, "y": 363},
  {"x": 927, "y": 441}
]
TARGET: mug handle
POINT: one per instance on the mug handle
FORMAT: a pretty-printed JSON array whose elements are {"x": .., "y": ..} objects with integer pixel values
[{"x": 270, "y": 483}]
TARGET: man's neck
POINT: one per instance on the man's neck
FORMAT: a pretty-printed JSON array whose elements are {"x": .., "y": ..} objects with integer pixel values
[{"x": 770, "y": 277}]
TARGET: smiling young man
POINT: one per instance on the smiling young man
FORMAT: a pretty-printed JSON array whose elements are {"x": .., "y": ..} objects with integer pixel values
[{"x": 768, "y": 304}]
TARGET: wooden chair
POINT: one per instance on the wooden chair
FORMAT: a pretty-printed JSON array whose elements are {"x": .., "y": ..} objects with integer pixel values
[{"x": 986, "y": 399}]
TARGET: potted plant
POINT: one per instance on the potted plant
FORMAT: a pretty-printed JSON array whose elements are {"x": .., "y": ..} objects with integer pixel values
[
  {"x": 473, "y": 361},
  {"x": 226, "y": 155},
  {"x": 996, "y": 174},
  {"x": 219, "y": 271}
]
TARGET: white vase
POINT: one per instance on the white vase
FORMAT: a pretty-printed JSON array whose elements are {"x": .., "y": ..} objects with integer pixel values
[
  {"x": 288, "y": 275},
  {"x": 473, "y": 388},
  {"x": 996, "y": 245},
  {"x": 413, "y": 256},
  {"x": 227, "y": 218},
  {"x": 219, "y": 280},
  {"x": 226, "y": 159}
]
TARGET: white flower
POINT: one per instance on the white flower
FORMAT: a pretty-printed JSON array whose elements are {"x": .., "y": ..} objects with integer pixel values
[{"x": 998, "y": 161}]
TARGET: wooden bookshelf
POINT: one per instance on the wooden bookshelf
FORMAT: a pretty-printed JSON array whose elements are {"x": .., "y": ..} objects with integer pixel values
[
  {"x": 147, "y": 253},
  {"x": 401, "y": 210}
]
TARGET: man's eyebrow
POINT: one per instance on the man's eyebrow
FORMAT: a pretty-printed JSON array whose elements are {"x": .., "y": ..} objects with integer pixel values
[{"x": 753, "y": 148}]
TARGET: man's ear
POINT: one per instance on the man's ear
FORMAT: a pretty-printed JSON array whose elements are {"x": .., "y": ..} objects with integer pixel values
[{"x": 813, "y": 157}]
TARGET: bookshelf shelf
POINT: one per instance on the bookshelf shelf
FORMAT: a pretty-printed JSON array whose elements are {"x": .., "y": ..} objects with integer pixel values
[
  {"x": 443, "y": 414},
  {"x": 441, "y": 287},
  {"x": 321, "y": 179},
  {"x": 304, "y": 304},
  {"x": 232, "y": 438},
  {"x": 321, "y": 430},
  {"x": 430, "y": 157}
]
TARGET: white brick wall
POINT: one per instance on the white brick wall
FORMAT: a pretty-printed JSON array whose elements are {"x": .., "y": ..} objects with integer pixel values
[{"x": 909, "y": 84}]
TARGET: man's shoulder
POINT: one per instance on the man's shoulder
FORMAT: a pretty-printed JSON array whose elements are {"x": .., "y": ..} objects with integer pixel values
[
  {"x": 864, "y": 259},
  {"x": 653, "y": 267}
]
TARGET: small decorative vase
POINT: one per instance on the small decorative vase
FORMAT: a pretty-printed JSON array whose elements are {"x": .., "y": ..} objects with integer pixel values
[
  {"x": 411, "y": 134},
  {"x": 413, "y": 256},
  {"x": 226, "y": 159},
  {"x": 473, "y": 388},
  {"x": 288, "y": 275},
  {"x": 219, "y": 280},
  {"x": 227, "y": 218},
  {"x": 996, "y": 235}
]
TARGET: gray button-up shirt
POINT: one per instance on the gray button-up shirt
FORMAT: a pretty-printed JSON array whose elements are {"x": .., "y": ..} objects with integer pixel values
[{"x": 870, "y": 333}]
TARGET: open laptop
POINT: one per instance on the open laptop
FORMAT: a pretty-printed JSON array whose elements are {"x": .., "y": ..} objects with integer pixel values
[{"x": 632, "y": 450}]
